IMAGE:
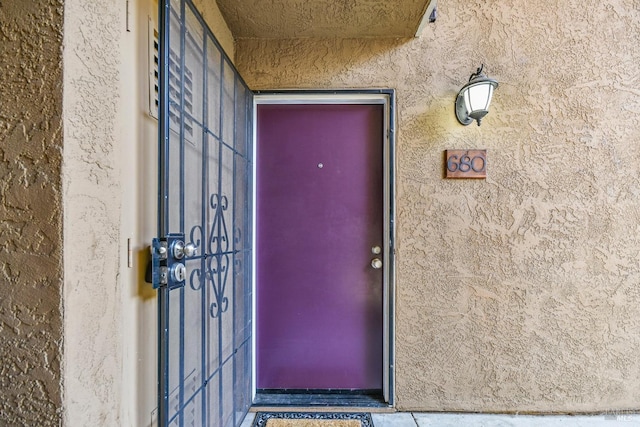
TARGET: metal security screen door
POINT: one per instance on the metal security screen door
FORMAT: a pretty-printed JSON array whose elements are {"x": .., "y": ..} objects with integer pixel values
[{"x": 202, "y": 259}]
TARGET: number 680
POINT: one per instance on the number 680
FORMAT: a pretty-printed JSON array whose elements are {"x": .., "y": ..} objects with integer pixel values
[{"x": 465, "y": 163}]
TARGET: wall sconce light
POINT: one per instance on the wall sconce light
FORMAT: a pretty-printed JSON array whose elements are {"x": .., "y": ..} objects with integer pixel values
[{"x": 472, "y": 102}]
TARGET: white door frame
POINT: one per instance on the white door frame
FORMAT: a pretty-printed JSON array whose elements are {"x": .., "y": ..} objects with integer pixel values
[{"x": 387, "y": 99}]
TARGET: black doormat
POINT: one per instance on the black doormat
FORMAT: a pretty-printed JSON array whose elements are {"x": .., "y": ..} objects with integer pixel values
[{"x": 364, "y": 417}]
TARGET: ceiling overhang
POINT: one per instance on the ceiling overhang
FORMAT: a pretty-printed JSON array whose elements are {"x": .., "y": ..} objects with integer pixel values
[{"x": 291, "y": 19}]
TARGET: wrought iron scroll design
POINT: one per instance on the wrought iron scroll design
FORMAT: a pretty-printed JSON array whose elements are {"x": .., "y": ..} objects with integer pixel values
[
  {"x": 195, "y": 237},
  {"x": 216, "y": 258}
]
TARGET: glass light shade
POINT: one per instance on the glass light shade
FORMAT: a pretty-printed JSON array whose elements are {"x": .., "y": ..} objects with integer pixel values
[
  {"x": 473, "y": 100},
  {"x": 477, "y": 97}
]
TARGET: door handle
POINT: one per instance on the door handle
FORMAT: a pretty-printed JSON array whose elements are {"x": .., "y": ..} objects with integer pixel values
[
  {"x": 376, "y": 263},
  {"x": 180, "y": 250}
]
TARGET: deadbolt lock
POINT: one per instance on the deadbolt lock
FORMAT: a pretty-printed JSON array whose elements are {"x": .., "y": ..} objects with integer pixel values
[{"x": 179, "y": 272}]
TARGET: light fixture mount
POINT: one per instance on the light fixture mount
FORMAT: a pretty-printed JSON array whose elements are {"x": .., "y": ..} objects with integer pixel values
[{"x": 472, "y": 102}]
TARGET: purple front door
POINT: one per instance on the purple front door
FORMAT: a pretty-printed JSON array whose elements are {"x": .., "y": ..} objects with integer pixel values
[{"x": 319, "y": 216}]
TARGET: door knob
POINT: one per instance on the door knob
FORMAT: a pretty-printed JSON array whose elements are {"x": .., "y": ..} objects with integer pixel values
[
  {"x": 376, "y": 250},
  {"x": 190, "y": 250},
  {"x": 376, "y": 263},
  {"x": 180, "y": 250}
]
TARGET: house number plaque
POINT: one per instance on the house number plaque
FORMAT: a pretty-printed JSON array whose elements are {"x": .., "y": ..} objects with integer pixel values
[{"x": 466, "y": 164}]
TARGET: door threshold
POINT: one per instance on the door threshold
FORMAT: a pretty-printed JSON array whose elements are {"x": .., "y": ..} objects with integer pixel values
[
  {"x": 374, "y": 410},
  {"x": 319, "y": 399}
]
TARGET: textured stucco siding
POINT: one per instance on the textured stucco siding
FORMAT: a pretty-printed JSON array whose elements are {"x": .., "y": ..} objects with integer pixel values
[
  {"x": 30, "y": 213},
  {"x": 284, "y": 19},
  {"x": 93, "y": 40},
  {"x": 520, "y": 292}
]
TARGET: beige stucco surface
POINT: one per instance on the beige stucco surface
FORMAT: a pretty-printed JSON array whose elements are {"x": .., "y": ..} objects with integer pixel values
[
  {"x": 323, "y": 18},
  {"x": 93, "y": 42},
  {"x": 520, "y": 292},
  {"x": 30, "y": 213}
]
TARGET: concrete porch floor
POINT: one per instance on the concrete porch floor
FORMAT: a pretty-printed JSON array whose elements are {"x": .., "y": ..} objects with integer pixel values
[{"x": 419, "y": 419}]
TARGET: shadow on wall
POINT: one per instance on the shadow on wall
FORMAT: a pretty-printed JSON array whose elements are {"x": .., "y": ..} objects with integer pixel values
[{"x": 145, "y": 289}]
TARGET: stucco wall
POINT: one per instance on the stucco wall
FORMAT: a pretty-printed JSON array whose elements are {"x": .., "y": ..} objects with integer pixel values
[
  {"x": 93, "y": 40},
  {"x": 30, "y": 212},
  {"x": 519, "y": 292}
]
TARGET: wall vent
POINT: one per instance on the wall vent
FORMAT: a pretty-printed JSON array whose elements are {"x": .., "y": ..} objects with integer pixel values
[
  {"x": 153, "y": 70},
  {"x": 175, "y": 92}
]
